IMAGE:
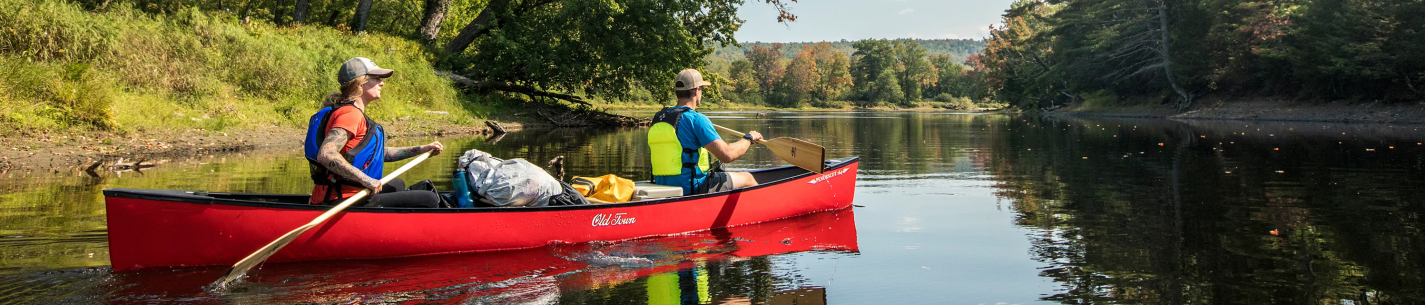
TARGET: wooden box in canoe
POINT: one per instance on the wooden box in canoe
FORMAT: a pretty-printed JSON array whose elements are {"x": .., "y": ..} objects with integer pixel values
[{"x": 152, "y": 228}]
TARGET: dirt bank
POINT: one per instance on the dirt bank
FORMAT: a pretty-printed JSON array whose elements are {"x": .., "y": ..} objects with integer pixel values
[
  {"x": 1271, "y": 110},
  {"x": 73, "y": 152}
]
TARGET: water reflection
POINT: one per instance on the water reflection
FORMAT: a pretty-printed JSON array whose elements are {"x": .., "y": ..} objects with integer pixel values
[
  {"x": 955, "y": 209},
  {"x": 698, "y": 268},
  {"x": 1133, "y": 211}
]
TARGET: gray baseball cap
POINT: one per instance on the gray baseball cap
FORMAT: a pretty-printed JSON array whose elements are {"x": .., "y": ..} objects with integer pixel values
[{"x": 358, "y": 66}]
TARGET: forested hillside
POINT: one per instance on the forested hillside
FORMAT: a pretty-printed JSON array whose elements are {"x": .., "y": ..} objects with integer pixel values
[{"x": 1173, "y": 52}]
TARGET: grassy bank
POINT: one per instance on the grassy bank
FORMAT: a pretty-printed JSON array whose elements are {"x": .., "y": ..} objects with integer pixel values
[{"x": 117, "y": 69}]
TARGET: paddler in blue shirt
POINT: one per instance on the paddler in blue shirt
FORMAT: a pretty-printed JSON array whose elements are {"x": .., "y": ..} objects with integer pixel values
[{"x": 681, "y": 140}]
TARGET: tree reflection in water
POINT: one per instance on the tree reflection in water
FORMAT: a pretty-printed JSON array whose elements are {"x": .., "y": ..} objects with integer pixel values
[{"x": 1161, "y": 212}]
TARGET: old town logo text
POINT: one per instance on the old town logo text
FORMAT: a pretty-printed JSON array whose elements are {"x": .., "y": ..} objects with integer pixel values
[
  {"x": 828, "y": 176},
  {"x": 602, "y": 220}
]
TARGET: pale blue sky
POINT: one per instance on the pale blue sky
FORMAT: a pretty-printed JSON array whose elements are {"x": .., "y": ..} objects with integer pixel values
[{"x": 833, "y": 20}]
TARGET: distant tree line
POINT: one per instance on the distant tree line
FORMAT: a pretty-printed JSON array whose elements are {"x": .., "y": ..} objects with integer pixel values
[
  {"x": 897, "y": 73},
  {"x": 959, "y": 49},
  {"x": 1054, "y": 52}
]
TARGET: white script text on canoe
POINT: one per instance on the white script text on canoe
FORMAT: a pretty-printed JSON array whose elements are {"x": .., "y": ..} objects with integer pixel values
[{"x": 601, "y": 220}]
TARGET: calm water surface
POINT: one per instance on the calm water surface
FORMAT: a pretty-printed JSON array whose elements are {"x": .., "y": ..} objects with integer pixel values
[{"x": 951, "y": 209}]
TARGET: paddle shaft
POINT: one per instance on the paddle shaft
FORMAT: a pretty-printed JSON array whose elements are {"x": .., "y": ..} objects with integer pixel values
[
  {"x": 271, "y": 248},
  {"x": 812, "y": 156},
  {"x": 734, "y": 131}
]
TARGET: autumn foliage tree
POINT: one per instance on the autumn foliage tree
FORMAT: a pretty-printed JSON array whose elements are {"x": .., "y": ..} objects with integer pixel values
[
  {"x": 767, "y": 62},
  {"x": 833, "y": 69}
]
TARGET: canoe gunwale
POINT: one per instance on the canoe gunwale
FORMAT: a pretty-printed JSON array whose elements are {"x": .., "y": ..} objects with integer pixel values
[{"x": 185, "y": 197}]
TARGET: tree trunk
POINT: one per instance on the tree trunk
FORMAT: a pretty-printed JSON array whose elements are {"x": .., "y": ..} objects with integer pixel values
[
  {"x": 1185, "y": 100},
  {"x": 277, "y": 13},
  {"x": 331, "y": 19},
  {"x": 430, "y": 24},
  {"x": 300, "y": 15},
  {"x": 363, "y": 10},
  {"x": 478, "y": 27}
]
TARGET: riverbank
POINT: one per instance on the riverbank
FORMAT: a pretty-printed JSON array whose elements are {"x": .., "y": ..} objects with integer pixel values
[
  {"x": 1265, "y": 109},
  {"x": 60, "y": 153},
  {"x": 83, "y": 86}
]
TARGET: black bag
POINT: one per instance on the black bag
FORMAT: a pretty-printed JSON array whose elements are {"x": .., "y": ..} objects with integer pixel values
[
  {"x": 569, "y": 196},
  {"x": 426, "y": 185}
]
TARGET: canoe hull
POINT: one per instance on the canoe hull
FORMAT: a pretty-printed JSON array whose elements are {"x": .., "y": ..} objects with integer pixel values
[{"x": 148, "y": 229}]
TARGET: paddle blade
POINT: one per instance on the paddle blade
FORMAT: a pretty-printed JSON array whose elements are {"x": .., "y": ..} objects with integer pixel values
[
  {"x": 803, "y": 154},
  {"x": 256, "y": 258},
  {"x": 266, "y": 251}
]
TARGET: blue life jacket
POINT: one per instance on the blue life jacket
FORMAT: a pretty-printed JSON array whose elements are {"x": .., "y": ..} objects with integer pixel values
[{"x": 369, "y": 155}]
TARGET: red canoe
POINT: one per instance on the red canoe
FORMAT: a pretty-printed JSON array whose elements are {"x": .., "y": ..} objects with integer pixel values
[
  {"x": 151, "y": 228},
  {"x": 430, "y": 279}
]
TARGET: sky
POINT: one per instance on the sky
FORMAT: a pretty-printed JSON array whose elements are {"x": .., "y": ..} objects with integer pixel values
[{"x": 834, "y": 20}]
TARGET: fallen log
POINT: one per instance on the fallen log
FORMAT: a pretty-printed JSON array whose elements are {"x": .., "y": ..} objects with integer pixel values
[
  {"x": 495, "y": 126},
  {"x": 508, "y": 87}
]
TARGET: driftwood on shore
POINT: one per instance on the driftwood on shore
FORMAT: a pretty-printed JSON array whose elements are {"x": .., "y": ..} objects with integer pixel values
[
  {"x": 495, "y": 127},
  {"x": 119, "y": 166}
]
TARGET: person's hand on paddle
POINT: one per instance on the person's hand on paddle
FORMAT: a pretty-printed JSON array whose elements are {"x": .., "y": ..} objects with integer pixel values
[
  {"x": 752, "y": 136},
  {"x": 372, "y": 184},
  {"x": 434, "y": 148}
]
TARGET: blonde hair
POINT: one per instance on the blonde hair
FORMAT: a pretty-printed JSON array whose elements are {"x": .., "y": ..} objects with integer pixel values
[{"x": 350, "y": 91}]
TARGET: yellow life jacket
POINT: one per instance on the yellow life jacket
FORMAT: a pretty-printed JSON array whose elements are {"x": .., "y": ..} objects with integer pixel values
[
  {"x": 668, "y": 155},
  {"x": 680, "y": 287}
]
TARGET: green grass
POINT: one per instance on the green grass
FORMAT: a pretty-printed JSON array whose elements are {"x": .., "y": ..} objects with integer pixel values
[{"x": 119, "y": 69}]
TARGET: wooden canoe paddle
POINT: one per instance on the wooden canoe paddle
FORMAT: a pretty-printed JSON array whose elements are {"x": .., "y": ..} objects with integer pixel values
[
  {"x": 266, "y": 251},
  {"x": 803, "y": 154}
]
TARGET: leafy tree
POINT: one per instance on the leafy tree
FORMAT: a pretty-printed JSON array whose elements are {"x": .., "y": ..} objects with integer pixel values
[
  {"x": 874, "y": 72},
  {"x": 946, "y": 70},
  {"x": 801, "y": 77},
  {"x": 833, "y": 67},
  {"x": 1015, "y": 55},
  {"x": 1106, "y": 42},
  {"x": 915, "y": 71},
  {"x": 767, "y": 62},
  {"x": 712, "y": 20},
  {"x": 743, "y": 77}
]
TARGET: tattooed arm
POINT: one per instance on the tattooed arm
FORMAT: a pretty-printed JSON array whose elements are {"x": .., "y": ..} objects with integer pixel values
[
  {"x": 402, "y": 153},
  {"x": 329, "y": 155}
]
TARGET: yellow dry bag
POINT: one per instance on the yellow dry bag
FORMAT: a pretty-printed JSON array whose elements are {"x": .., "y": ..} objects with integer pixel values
[{"x": 609, "y": 187}]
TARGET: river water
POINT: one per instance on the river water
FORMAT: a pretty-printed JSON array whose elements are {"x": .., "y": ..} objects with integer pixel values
[{"x": 950, "y": 209}]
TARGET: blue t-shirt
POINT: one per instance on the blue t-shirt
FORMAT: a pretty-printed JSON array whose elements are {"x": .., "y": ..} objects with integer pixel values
[{"x": 694, "y": 131}]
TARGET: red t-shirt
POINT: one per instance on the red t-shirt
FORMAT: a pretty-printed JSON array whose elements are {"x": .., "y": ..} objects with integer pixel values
[{"x": 353, "y": 122}]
